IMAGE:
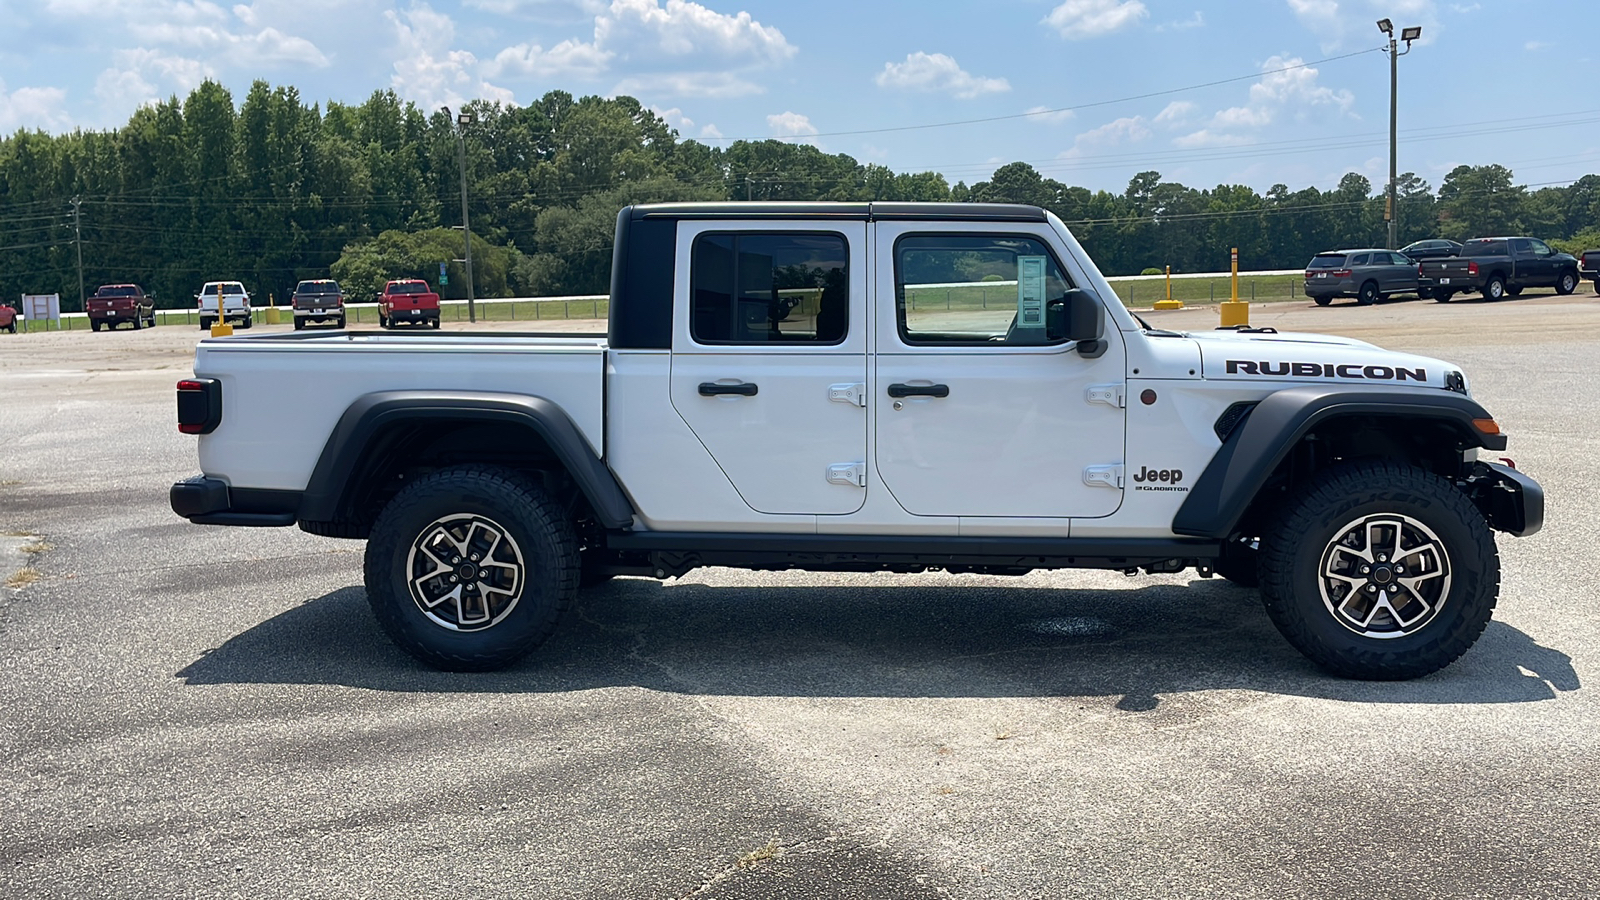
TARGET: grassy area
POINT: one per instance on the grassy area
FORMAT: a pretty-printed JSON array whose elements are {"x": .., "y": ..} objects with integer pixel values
[{"x": 1257, "y": 288}]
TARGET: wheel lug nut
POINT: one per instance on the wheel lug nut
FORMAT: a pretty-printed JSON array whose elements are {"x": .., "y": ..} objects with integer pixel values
[
  {"x": 453, "y": 579},
  {"x": 1399, "y": 568},
  {"x": 1383, "y": 557},
  {"x": 1370, "y": 587},
  {"x": 1366, "y": 569},
  {"x": 474, "y": 557}
]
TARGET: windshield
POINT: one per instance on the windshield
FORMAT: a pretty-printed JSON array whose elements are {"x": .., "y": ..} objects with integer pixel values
[
  {"x": 414, "y": 287},
  {"x": 1327, "y": 261},
  {"x": 1484, "y": 248},
  {"x": 118, "y": 292}
]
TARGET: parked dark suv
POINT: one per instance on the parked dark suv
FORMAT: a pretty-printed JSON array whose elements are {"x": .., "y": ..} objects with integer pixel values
[
  {"x": 1363, "y": 274},
  {"x": 1422, "y": 250}
]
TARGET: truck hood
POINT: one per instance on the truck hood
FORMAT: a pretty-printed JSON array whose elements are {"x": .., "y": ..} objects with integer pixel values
[{"x": 1322, "y": 358}]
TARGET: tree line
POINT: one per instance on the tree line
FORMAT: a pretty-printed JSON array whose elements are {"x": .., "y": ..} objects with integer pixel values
[{"x": 274, "y": 190}]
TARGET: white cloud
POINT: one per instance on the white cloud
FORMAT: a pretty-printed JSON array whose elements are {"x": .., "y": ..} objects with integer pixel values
[
  {"x": 142, "y": 76},
  {"x": 33, "y": 107},
  {"x": 939, "y": 73},
  {"x": 680, "y": 49},
  {"x": 1198, "y": 20},
  {"x": 791, "y": 125},
  {"x": 1079, "y": 19},
  {"x": 1535, "y": 46},
  {"x": 645, "y": 31},
  {"x": 1176, "y": 113},
  {"x": 1116, "y": 133},
  {"x": 711, "y": 132},
  {"x": 674, "y": 117},
  {"x": 569, "y": 57},
  {"x": 1049, "y": 116},
  {"x": 426, "y": 71},
  {"x": 716, "y": 85},
  {"x": 1288, "y": 84},
  {"x": 230, "y": 35}
]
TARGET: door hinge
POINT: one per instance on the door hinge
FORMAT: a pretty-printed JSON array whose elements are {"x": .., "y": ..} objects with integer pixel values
[
  {"x": 853, "y": 474},
  {"x": 853, "y": 394},
  {"x": 1112, "y": 395},
  {"x": 1103, "y": 476}
]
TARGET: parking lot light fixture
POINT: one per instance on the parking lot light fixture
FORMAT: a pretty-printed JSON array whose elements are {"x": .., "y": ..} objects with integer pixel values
[{"x": 1391, "y": 209}]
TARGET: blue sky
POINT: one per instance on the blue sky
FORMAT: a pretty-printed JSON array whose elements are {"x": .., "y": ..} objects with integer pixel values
[{"x": 1505, "y": 82}]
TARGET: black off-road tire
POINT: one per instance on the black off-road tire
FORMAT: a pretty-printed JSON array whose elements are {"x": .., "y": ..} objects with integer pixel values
[
  {"x": 537, "y": 529},
  {"x": 1294, "y": 550},
  {"x": 1368, "y": 294},
  {"x": 1240, "y": 564},
  {"x": 1567, "y": 283},
  {"x": 1494, "y": 288}
]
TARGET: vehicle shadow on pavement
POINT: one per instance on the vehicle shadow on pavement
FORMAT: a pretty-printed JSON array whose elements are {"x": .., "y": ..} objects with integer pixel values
[{"x": 980, "y": 639}]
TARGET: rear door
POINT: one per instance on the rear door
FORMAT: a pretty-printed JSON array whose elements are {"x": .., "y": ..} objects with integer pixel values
[
  {"x": 769, "y": 358},
  {"x": 1402, "y": 274}
]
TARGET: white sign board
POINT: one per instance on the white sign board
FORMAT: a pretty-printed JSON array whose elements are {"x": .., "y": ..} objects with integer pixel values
[
  {"x": 1030, "y": 291},
  {"x": 42, "y": 307}
]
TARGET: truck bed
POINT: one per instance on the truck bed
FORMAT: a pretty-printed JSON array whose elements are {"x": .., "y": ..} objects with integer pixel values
[{"x": 307, "y": 380}]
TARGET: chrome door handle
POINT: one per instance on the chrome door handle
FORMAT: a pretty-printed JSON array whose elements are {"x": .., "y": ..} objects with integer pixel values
[
  {"x": 919, "y": 390},
  {"x": 712, "y": 389}
]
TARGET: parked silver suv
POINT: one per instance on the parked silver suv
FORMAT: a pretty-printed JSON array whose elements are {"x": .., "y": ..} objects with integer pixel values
[{"x": 1363, "y": 274}]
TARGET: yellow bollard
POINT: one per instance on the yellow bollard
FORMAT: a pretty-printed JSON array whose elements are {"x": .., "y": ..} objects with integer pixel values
[
  {"x": 220, "y": 327},
  {"x": 272, "y": 311},
  {"x": 1169, "y": 303},
  {"x": 1235, "y": 313}
]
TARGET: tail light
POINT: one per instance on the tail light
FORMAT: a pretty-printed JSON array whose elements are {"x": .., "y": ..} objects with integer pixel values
[
  {"x": 199, "y": 405},
  {"x": 1340, "y": 273},
  {"x": 1472, "y": 267},
  {"x": 1419, "y": 270}
]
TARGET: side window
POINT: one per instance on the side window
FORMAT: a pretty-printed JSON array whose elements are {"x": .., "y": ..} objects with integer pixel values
[
  {"x": 1540, "y": 248},
  {"x": 769, "y": 288},
  {"x": 1359, "y": 259},
  {"x": 976, "y": 289},
  {"x": 1400, "y": 259},
  {"x": 1521, "y": 247}
]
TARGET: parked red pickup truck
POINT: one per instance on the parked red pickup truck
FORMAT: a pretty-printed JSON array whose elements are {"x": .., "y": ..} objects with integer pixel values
[
  {"x": 114, "y": 304},
  {"x": 8, "y": 318},
  {"x": 408, "y": 300}
]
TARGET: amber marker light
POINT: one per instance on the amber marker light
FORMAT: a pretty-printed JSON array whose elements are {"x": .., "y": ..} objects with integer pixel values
[{"x": 1486, "y": 426}]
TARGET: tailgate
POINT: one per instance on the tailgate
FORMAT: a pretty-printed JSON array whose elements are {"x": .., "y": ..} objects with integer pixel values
[{"x": 1448, "y": 266}]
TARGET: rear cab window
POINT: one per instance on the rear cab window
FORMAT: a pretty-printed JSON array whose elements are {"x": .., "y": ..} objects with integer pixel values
[
  {"x": 768, "y": 287},
  {"x": 1327, "y": 261},
  {"x": 1484, "y": 248}
]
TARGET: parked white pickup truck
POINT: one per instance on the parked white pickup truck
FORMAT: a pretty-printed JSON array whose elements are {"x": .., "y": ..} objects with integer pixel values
[{"x": 860, "y": 387}]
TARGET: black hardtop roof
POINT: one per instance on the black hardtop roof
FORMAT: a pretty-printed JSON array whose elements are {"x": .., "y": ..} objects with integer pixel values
[{"x": 969, "y": 212}]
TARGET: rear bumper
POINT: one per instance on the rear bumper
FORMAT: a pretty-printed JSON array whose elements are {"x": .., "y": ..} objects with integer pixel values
[
  {"x": 403, "y": 315},
  {"x": 1512, "y": 502},
  {"x": 210, "y": 501}
]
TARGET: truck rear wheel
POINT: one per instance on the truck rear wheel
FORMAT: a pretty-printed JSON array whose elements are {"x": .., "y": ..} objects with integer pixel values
[
  {"x": 1494, "y": 288},
  {"x": 471, "y": 567},
  {"x": 1380, "y": 571}
]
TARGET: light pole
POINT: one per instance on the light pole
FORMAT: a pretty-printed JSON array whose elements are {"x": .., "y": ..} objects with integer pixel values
[
  {"x": 1391, "y": 210},
  {"x": 462, "y": 121}
]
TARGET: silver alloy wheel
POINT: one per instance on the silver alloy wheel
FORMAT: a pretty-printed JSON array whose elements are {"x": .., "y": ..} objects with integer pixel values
[
  {"x": 1384, "y": 576},
  {"x": 465, "y": 572}
]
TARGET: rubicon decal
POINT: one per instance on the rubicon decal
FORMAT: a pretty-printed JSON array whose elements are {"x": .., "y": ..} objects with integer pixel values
[
  {"x": 1148, "y": 479},
  {"x": 1326, "y": 370}
]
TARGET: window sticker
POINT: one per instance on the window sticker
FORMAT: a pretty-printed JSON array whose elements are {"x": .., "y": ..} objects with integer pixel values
[{"x": 1030, "y": 291}]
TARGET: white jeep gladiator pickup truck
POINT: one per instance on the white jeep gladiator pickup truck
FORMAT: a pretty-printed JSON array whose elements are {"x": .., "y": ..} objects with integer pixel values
[{"x": 863, "y": 387}]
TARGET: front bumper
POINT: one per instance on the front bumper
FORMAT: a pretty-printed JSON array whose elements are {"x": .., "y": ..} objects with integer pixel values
[
  {"x": 1510, "y": 500},
  {"x": 210, "y": 501}
]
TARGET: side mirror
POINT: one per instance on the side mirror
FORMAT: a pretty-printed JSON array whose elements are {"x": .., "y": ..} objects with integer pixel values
[{"x": 1074, "y": 317}]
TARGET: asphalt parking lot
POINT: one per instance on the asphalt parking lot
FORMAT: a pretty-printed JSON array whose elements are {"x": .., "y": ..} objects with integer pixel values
[{"x": 195, "y": 711}]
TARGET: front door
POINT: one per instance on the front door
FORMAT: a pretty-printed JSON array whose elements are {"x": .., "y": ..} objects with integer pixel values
[
  {"x": 769, "y": 359},
  {"x": 980, "y": 412}
]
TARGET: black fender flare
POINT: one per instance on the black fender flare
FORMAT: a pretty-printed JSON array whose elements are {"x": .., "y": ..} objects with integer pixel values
[
  {"x": 1252, "y": 451},
  {"x": 370, "y": 414}
]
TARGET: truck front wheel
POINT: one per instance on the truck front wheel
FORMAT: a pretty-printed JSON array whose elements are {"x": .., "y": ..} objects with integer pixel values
[
  {"x": 471, "y": 567},
  {"x": 1380, "y": 571},
  {"x": 1567, "y": 283}
]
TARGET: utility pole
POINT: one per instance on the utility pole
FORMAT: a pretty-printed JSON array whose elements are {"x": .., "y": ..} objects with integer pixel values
[
  {"x": 462, "y": 121},
  {"x": 77, "y": 241},
  {"x": 1391, "y": 206}
]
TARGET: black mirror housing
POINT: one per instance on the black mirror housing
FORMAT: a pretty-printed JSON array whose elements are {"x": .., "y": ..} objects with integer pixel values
[{"x": 1076, "y": 317}]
